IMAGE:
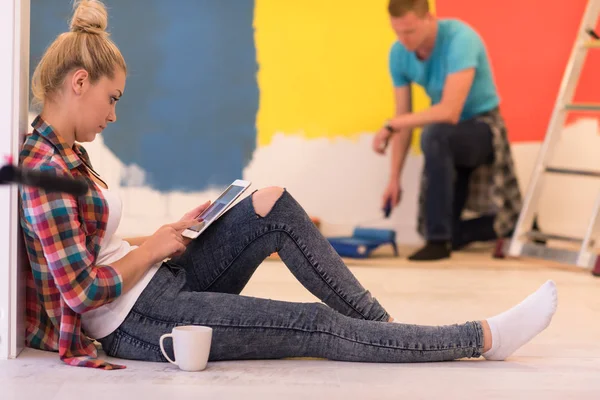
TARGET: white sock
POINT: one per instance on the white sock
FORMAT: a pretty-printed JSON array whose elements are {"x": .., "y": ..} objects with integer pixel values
[{"x": 517, "y": 326}]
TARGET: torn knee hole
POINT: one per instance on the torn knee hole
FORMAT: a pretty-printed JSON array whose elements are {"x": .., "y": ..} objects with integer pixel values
[{"x": 263, "y": 200}]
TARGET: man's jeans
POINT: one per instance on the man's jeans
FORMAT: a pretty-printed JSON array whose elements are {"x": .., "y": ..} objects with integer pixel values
[{"x": 452, "y": 152}]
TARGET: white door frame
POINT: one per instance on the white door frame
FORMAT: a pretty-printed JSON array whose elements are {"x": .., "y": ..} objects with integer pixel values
[{"x": 14, "y": 100}]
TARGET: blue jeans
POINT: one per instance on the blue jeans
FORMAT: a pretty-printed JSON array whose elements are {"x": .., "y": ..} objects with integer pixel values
[
  {"x": 451, "y": 153},
  {"x": 202, "y": 288}
]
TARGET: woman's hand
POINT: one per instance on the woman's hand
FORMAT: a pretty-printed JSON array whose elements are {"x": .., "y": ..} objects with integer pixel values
[
  {"x": 193, "y": 214},
  {"x": 167, "y": 241}
]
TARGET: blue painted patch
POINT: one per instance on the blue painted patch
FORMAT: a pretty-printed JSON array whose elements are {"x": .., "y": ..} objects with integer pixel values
[{"x": 188, "y": 115}]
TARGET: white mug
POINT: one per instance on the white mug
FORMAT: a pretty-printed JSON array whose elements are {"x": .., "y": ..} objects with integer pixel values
[{"x": 191, "y": 345}]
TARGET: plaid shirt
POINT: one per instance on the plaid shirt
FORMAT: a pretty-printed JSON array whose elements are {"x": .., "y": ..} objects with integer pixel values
[
  {"x": 62, "y": 236},
  {"x": 493, "y": 188}
]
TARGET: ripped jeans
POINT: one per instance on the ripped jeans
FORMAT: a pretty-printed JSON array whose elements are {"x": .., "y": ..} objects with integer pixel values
[{"x": 202, "y": 287}]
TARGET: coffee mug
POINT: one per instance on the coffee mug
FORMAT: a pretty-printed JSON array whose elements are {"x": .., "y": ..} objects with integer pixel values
[{"x": 191, "y": 345}]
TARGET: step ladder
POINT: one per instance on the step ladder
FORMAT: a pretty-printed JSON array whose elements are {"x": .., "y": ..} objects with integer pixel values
[{"x": 529, "y": 242}]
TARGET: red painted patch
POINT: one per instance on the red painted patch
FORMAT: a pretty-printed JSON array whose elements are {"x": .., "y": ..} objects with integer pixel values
[{"x": 529, "y": 43}]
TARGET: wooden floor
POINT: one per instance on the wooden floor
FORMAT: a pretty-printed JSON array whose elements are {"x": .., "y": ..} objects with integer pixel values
[{"x": 562, "y": 363}]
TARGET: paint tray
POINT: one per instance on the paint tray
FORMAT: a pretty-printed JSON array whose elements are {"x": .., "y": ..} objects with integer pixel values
[{"x": 363, "y": 241}]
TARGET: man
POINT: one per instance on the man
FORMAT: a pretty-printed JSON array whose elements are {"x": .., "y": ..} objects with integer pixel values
[{"x": 468, "y": 164}]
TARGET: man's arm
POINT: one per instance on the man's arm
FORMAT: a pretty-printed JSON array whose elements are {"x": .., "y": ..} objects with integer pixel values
[
  {"x": 400, "y": 142},
  {"x": 456, "y": 90}
]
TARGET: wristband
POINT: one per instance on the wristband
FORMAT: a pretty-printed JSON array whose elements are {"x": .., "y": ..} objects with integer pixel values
[{"x": 389, "y": 128}]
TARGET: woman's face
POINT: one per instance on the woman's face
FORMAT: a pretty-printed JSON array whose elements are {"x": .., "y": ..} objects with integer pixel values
[{"x": 95, "y": 104}]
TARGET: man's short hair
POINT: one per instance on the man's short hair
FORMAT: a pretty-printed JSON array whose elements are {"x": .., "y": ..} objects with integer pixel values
[{"x": 398, "y": 8}]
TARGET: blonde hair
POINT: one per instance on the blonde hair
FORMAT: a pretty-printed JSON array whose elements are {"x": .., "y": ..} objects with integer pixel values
[
  {"x": 86, "y": 46},
  {"x": 398, "y": 8}
]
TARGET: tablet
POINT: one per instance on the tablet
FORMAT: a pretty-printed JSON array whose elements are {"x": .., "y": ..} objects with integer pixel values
[{"x": 217, "y": 208}]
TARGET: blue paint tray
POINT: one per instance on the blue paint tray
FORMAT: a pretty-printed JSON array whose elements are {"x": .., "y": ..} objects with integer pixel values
[{"x": 363, "y": 241}]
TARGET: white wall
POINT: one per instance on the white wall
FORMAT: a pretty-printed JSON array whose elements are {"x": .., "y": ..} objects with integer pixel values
[
  {"x": 567, "y": 201},
  {"x": 340, "y": 181},
  {"x": 14, "y": 71}
]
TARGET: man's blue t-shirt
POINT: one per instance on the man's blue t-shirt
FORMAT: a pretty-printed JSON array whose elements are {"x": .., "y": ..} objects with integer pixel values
[{"x": 457, "y": 47}]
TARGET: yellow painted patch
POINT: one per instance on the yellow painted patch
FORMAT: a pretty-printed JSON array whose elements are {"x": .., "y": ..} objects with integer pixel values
[{"x": 323, "y": 68}]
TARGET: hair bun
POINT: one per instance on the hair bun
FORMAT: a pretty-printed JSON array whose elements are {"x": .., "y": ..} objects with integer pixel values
[{"x": 90, "y": 16}]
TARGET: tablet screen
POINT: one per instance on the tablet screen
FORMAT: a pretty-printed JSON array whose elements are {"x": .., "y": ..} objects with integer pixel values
[{"x": 217, "y": 207}]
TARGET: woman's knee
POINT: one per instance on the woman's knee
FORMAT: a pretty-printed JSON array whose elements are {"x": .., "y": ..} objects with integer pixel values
[{"x": 263, "y": 200}]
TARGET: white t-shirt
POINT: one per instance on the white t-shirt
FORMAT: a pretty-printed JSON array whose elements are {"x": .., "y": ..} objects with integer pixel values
[{"x": 104, "y": 320}]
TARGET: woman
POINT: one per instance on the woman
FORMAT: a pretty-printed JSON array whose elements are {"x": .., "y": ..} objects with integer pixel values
[{"x": 87, "y": 283}]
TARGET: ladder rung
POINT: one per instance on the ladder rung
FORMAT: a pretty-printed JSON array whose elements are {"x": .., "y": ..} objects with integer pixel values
[
  {"x": 567, "y": 171},
  {"x": 583, "y": 107},
  {"x": 564, "y": 256},
  {"x": 549, "y": 236},
  {"x": 590, "y": 44}
]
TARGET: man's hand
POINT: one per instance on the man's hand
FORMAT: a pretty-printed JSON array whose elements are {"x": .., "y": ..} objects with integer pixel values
[
  {"x": 393, "y": 192},
  {"x": 381, "y": 139},
  {"x": 193, "y": 214}
]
